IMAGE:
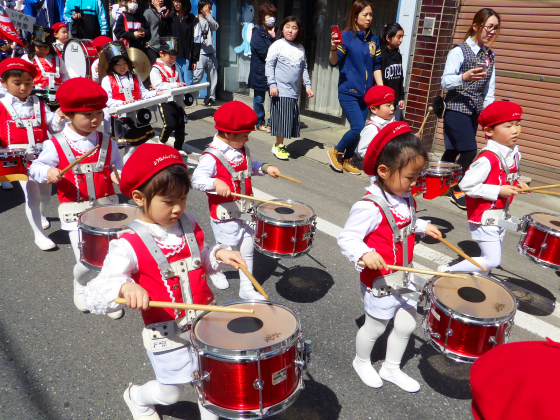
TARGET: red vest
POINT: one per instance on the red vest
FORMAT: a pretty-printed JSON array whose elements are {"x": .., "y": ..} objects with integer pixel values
[
  {"x": 50, "y": 67},
  {"x": 136, "y": 94},
  {"x": 73, "y": 187},
  {"x": 11, "y": 134},
  {"x": 497, "y": 176},
  {"x": 223, "y": 174},
  {"x": 165, "y": 76},
  {"x": 381, "y": 239},
  {"x": 150, "y": 278}
]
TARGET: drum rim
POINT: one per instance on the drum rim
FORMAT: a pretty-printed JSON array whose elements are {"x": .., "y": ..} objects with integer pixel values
[
  {"x": 539, "y": 226},
  {"x": 438, "y": 170},
  {"x": 277, "y": 222},
  {"x": 471, "y": 319},
  {"x": 249, "y": 355},
  {"x": 536, "y": 260},
  {"x": 12, "y": 153},
  {"x": 443, "y": 164},
  {"x": 99, "y": 231}
]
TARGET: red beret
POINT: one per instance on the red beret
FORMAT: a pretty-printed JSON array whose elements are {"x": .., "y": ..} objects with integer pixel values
[
  {"x": 17, "y": 64},
  {"x": 144, "y": 163},
  {"x": 59, "y": 25},
  {"x": 235, "y": 117},
  {"x": 389, "y": 132},
  {"x": 499, "y": 112},
  {"x": 379, "y": 95},
  {"x": 81, "y": 95},
  {"x": 517, "y": 381},
  {"x": 100, "y": 41}
]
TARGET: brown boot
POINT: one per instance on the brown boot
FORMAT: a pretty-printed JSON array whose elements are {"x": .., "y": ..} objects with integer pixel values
[
  {"x": 336, "y": 159},
  {"x": 349, "y": 166}
]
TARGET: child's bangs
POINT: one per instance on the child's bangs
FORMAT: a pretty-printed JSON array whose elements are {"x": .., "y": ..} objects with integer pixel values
[{"x": 172, "y": 182}]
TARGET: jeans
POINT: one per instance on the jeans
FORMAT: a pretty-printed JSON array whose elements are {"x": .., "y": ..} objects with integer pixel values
[
  {"x": 356, "y": 113},
  {"x": 258, "y": 105},
  {"x": 185, "y": 74}
]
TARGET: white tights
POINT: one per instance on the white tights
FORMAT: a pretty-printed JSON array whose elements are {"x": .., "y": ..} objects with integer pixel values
[
  {"x": 491, "y": 257},
  {"x": 37, "y": 197},
  {"x": 404, "y": 325},
  {"x": 152, "y": 393},
  {"x": 247, "y": 250},
  {"x": 80, "y": 270},
  {"x": 128, "y": 151}
]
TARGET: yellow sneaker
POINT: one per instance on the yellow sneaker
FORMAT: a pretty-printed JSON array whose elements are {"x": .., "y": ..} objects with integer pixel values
[
  {"x": 349, "y": 166},
  {"x": 336, "y": 159},
  {"x": 280, "y": 152}
]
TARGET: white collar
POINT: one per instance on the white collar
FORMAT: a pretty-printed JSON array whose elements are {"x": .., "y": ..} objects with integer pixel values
[
  {"x": 163, "y": 233},
  {"x": 390, "y": 199},
  {"x": 73, "y": 136},
  {"x": 159, "y": 60},
  {"x": 59, "y": 43},
  {"x": 13, "y": 99},
  {"x": 221, "y": 145},
  {"x": 381, "y": 121},
  {"x": 474, "y": 46},
  {"x": 505, "y": 151}
]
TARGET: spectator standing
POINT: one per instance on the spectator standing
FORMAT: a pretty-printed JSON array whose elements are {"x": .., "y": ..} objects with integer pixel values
[
  {"x": 207, "y": 61},
  {"x": 391, "y": 38},
  {"x": 86, "y": 18},
  {"x": 153, "y": 15},
  {"x": 116, "y": 9},
  {"x": 132, "y": 27},
  {"x": 47, "y": 12},
  {"x": 263, "y": 35}
]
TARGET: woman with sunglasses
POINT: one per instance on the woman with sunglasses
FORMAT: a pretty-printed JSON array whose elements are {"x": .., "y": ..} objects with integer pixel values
[{"x": 470, "y": 81}]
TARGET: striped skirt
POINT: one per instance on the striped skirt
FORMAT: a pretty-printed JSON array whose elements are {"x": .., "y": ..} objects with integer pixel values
[{"x": 284, "y": 117}]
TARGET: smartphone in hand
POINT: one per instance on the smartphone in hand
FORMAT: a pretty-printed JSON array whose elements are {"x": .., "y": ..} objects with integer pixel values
[
  {"x": 336, "y": 35},
  {"x": 483, "y": 64}
]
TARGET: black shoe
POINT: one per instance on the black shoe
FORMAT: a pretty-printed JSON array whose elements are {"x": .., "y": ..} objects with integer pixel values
[
  {"x": 458, "y": 198},
  {"x": 209, "y": 102}
]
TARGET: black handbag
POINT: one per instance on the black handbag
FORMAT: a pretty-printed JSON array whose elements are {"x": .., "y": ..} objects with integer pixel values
[{"x": 439, "y": 106}]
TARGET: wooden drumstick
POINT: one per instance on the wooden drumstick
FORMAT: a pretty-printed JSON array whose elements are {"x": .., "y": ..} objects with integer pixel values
[
  {"x": 192, "y": 307},
  {"x": 287, "y": 177},
  {"x": 116, "y": 173},
  {"x": 544, "y": 187},
  {"x": 261, "y": 200},
  {"x": 430, "y": 109},
  {"x": 461, "y": 253},
  {"x": 254, "y": 281},
  {"x": 419, "y": 271},
  {"x": 545, "y": 192},
  {"x": 85, "y": 155}
]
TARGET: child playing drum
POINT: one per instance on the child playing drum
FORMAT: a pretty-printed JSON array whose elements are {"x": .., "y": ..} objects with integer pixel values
[
  {"x": 380, "y": 230},
  {"x": 89, "y": 183},
  {"x": 225, "y": 167},
  {"x": 24, "y": 124},
  {"x": 491, "y": 182},
  {"x": 133, "y": 271}
]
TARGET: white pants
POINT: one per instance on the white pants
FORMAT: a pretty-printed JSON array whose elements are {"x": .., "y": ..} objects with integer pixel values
[
  {"x": 209, "y": 63},
  {"x": 80, "y": 271},
  {"x": 37, "y": 197}
]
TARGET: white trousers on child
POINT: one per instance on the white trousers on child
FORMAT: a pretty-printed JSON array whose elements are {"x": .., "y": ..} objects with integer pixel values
[{"x": 37, "y": 197}]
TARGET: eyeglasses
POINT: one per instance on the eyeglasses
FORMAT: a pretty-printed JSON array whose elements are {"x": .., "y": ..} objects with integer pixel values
[{"x": 492, "y": 29}]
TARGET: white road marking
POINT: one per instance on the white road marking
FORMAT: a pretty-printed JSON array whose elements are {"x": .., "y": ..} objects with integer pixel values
[{"x": 527, "y": 322}]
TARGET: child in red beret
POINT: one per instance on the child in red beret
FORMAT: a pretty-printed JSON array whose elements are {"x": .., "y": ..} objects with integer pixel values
[
  {"x": 225, "y": 167},
  {"x": 490, "y": 184},
  {"x": 61, "y": 35},
  {"x": 19, "y": 110},
  {"x": 381, "y": 230},
  {"x": 381, "y": 102},
  {"x": 82, "y": 102},
  {"x": 98, "y": 43},
  {"x": 159, "y": 242}
]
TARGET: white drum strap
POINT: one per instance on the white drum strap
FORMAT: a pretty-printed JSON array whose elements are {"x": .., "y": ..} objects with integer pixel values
[
  {"x": 509, "y": 176},
  {"x": 236, "y": 176},
  {"x": 51, "y": 76},
  {"x": 170, "y": 79},
  {"x": 28, "y": 123},
  {"x": 127, "y": 91}
]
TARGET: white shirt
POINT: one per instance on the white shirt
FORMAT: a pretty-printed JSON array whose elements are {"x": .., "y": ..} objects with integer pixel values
[
  {"x": 204, "y": 175},
  {"x": 121, "y": 263},
  {"x": 106, "y": 84},
  {"x": 156, "y": 79},
  {"x": 452, "y": 77},
  {"x": 365, "y": 217},
  {"x": 472, "y": 183},
  {"x": 373, "y": 126},
  {"x": 64, "y": 76},
  {"x": 24, "y": 109}
]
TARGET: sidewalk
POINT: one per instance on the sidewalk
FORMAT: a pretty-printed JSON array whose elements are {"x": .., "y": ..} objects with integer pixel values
[{"x": 319, "y": 136}]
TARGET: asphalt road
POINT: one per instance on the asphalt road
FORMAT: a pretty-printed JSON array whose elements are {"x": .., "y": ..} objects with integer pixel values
[{"x": 58, "y": 363}]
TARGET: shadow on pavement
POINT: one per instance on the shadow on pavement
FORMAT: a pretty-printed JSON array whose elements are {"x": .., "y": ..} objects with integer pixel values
[
  {"x": 11, "y": 198},
  {"x": 533, "y": 298},
  {"x": 200, "y": 113},
  {"x": 300, "y": 147},
  {"x": 443, "y": 225},
  {"x": 304, "y": 284}
]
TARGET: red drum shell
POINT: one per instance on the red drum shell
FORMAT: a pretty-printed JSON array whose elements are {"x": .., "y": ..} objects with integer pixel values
[
  {"x": 13, "y": 165},
  {"x": 438, "y": 182},
  {"x": 540, "y": 240},
  {"x": 94, "y": 248},
  {"x": 420, "y": 185}
]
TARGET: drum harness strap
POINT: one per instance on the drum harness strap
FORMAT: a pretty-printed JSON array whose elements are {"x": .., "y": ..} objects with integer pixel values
[
  {"x": 169, "y": 77},
  {"x": 28, "y": 123},
  {"x": 52, "y": 87},
  {"x": 126, "y": 91},
  {"x": 168, "y": 335},
  {"x": 396, "y": 283},
  {"x": 237, "y": 209}
]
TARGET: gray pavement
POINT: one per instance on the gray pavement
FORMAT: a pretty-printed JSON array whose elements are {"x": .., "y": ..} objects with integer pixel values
[{"x": 61, "y": 364}]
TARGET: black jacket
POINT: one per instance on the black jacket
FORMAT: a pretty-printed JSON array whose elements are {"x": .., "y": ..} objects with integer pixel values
[
  {"x": 260, "y": 42},
  {"x": 391, "y": 67},
  {"x": 135, "y": 21},
  {"x": 183, "y": 30}
]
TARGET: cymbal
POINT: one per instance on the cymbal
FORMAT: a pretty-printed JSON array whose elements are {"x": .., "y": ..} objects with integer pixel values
[
  {"x": 141, "y": 62},
  {"x": 102, "y": 66}
]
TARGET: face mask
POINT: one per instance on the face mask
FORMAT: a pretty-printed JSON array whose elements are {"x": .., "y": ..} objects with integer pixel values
[
  {"x": 132, "y": 7},
  {"x": 270, "y": 21}
]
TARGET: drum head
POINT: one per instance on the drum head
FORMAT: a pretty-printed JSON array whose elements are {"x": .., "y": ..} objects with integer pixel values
[
  {"x": 298, "y": 211},
  {"x": 476, "y": 296},
  {"x": 447, "y": 165},
  {"x": 110, "y": 218},
  {"x": 269, "y": 324},
  {"x": 551, "y": 221},
  {"x": 75, "y": 59}
]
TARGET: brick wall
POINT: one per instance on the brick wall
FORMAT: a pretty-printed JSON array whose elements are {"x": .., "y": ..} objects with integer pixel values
[{"x": 428, "y": 63}]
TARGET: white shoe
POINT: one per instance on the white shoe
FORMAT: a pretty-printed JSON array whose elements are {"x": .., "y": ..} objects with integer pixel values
[
  {"x": 45, "y": 224},
  {"x": 402, "y": 380},
  {"x": 44, "y": 243},
  {"x": 135, "y": 414},
  {"x": 219, "y": 280},
  {"x": 183, "y": 153},
  {"x": 443, "y": 268},
  {"x": 116, "y": 315},
  {"x": 79, "y": 298},
  {"x": 7, "y": 185},
  {"x": 368, "y": 375},
  {"x": 250, "y": 294}
]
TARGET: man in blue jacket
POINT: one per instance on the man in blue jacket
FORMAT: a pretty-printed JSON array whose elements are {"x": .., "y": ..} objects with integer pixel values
[
  {"x": 46, "y": 16},
  {"x": 87, "y": 18}
]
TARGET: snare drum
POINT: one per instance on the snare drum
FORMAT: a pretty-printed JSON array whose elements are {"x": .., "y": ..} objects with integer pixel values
[
  {"x": 97, "y": 226},
  {"x": 455, "y": 167},
  {"x": 464, "y": 318},
  {"x": 284, "y": 232},
  {"x": 540, "y": 239},
  {"x": 13, "y": 165},
  {"x": 250, "y": 366},
  {"x": 79, "y": 55},
  {"x": 420, "y": 186},
  {"x": 438, "y": 181}
]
